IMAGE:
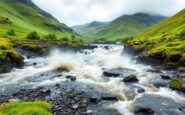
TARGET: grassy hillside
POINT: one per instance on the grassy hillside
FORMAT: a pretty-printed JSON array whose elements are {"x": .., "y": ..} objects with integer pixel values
[
  {"x": 23, "y": 24},
  {"x": 23, "y": 17},
  {"x": 165, "y": 40},
  {"x": 122, "y": 27}
]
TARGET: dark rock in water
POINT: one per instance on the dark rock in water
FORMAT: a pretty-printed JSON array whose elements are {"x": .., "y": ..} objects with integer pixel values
[
  {"x": 144, "y": 111},
  {"x": 109, "y": 98},
  {"x": 181, "y": 69},
  {"x": 110, "y": 74},
  {"x": 34, "y": 63},
  {"x": 166, "y": 77},
  {"x": 181, "y": 76},
  {"x": 119, "y": 72},
  {"x": 160, "y": 84},
  {"x": 47, "y": 91},
  {"x": 73, "y": 78},
  {"x": 139, "y": 89},
  {"x": 157, "y": 105},
  {"x": 106, "y": 47},
  {"x": 131, "y": 78},
  {"x": 28, "y": 56},
  {"x": 154, "y": 71}
]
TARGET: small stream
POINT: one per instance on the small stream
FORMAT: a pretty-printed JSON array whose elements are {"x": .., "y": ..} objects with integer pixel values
[{"x": 89, "y": 67}]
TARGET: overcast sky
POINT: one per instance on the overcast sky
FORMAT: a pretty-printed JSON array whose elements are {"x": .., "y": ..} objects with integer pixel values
[{"x": 75, "y": 12}]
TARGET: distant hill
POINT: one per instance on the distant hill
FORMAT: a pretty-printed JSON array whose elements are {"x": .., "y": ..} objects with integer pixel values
[
  {"x": 165, "y": 41},
  {"x": 122, "y": 27},
  {"x": 24, "y": 16},
  {"x": 90, "y": 29}
]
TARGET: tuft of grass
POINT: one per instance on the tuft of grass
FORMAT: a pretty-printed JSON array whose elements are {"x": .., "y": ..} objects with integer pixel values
[
  {"x": 26, "y": 108},
  {"x": 7, "y": 48}
]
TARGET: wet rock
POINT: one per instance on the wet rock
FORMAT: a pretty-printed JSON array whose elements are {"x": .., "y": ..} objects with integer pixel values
[
  {"x": 14, "y": 100},
  {"x": 34, "y": 64},
  {"x": 181, "y": 76},
  {"x": 181, "y": 69},
  {"x": 131, "y": 78},
  {"x": 75, "y": 106},
  {"x": 144, "y": 111},
  {"x": 109, "y": 98},
  {"x": 110, "y": 74},
  {"x": 130, "y": 94},
  {"x": 106, "y": 47},
  {"x": 154, "y": 70},
  {"x": 166, "y": 77},
  {"x": 47, "y": 91},
  {"x": 72, "y": 78},
  {"x": 118, "y": 72},
  {"x": 160, "y": 84},
  {"x": 158, "y": 105},
  {"x": 139, "y": 89}
]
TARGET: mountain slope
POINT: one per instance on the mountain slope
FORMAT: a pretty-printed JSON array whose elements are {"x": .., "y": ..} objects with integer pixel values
[
  {"x": 20, "y": 17},
  {"x": 23, "y": 16},
  {"x": 122, "y": 27},
  {"x": 165, "y": 41}
]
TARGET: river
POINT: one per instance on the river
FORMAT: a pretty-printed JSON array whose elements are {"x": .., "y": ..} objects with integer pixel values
[{"x": 88, "y": 67}]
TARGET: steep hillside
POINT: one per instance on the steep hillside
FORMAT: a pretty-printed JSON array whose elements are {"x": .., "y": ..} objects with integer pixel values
[
  {"x": 165, "y": 41},
  {"x": 23, "y": 17},
  {"x": 122, "y": 27},
  {"x": 18, "y": 20}
]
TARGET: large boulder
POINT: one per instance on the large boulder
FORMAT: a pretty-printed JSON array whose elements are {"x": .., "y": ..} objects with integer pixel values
[{"x": 149, "y": 104}]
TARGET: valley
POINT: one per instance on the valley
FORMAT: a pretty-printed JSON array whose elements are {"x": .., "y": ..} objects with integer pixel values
[{"x": 131, "y": 65}]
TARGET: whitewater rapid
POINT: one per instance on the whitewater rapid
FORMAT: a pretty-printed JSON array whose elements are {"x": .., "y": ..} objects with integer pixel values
[{"x": 88, "y": 67}]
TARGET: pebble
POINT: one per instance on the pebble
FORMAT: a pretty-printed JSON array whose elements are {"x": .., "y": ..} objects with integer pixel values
[{"x": 75, "y": 106}]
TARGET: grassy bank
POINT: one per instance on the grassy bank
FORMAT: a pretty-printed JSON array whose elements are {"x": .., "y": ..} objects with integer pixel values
[
  {"x": 26, "y": 108},
  {"x": 164, "y": 41}
]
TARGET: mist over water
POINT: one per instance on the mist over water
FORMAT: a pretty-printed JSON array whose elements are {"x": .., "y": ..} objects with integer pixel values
[{"x": 88, "y": 67}]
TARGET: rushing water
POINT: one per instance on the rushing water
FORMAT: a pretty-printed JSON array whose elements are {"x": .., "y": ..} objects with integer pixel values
[{"x": 88, "y": 66}]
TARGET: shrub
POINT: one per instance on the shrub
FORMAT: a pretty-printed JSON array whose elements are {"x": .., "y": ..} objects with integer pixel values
[
  {"x": 33, "y": 35},
  {"x": 11, "y": 32},
  {"x": 65, "y": 39},
  {"x": 183, "y": 33},
  {"x": 51, "y": 36},
  {"x": 73, "y": 37}
]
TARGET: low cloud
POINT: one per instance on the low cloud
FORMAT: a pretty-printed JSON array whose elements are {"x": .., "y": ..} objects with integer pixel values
[{"x": 74, "y": 12}]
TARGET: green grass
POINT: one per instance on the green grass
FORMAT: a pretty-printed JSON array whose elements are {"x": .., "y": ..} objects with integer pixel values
[
  {"x": 6, "y": 48},
  {"x": 26, "y": 108},
  {"x": 165, "y": 40},
  {"x": 123, "y": 27}
]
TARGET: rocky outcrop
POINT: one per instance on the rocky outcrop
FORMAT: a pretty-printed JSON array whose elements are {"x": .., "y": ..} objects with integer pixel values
[
  {"x": 157, "y": 105},
  {"x": 11, "y": 60}
]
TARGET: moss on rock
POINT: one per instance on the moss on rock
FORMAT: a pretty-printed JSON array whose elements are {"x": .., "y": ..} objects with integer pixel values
[
  {"x": 8, "y": 56},
  {"x": 176, "y": 84}
]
